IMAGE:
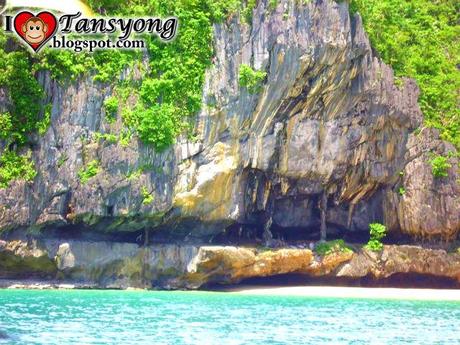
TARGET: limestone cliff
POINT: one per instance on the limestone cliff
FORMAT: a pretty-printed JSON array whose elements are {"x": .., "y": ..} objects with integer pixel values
[
  {"x": 329, "y": 135},
  {"x": 123, "y": 265}
]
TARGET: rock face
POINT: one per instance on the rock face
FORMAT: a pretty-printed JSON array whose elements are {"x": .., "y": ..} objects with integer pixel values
[
  {"x": 233, "y": 264},
  {"x": 402, "y": 259},
  {"x": 430, "y": 206},
  {"x": 123, "y": 265},
  {"x": 329, "y": 124},
  {"x": 20, "y": 259}
]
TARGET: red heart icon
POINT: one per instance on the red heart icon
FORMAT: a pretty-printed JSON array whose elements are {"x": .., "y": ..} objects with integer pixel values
[{"x": 35, "y": 30}]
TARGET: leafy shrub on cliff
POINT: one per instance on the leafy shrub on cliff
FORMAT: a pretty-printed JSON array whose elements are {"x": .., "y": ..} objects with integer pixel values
[
  {"x": 14, "y": 166},
  {"x": 107, "y": 137},
  {"x": 420, "y": 39},
  {"x": 90, "y": 170},
  {"x": 147, "y": 198},
  {"x": 251, "y": 79},
  {"x": 158, "y": 125},
  {"x": 440, "y": 166},
  {"x": 330, "y": 247},
  {"x": 25, "y": 93},
  {"x": 45, "y": 122},
  {"x": 6, "y": 125},
  {"x": 111, "y": 108},
  {"x": 377, "y": 232}
]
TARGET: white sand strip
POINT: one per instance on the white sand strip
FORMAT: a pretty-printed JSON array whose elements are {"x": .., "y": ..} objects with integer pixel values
[{"x": 350, "y": 292}]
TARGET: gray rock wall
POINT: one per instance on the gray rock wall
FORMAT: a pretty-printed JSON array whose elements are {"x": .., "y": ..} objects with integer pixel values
[{"x": 329, "y": 120}]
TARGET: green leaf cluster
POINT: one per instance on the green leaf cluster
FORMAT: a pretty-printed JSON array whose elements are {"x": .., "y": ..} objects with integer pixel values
[
  {"x": 111, "y": 105},
  {"x": 330, "y": 247},
  {"x": 421, "y": 39},
  {"x": 377, "y": 233},
  {"x": 147, "y": 198},
  {"x": 108, "y": 137},
  {"x": 440, "y": 166},
  {"x": 14, "y": 166},
  {"x": 24, "y": 91},
  {"x": 251, "y": 79},
  {"x": 88, "y": 171},
  {"x": 45, "y": 122}
]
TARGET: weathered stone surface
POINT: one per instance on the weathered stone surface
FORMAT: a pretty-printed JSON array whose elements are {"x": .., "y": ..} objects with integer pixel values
[
  {"x": 20, "y": 259},
  {"x": 430, "y": 206},
  {"x": 325, "y": 265},
  {"x": 329, "y": 120},
  {"x": 121, "y": 265},
  {"x": 402, "y": 259},
  {"x": 232, "y": 264},
  {"x": 125, "y": 265}
]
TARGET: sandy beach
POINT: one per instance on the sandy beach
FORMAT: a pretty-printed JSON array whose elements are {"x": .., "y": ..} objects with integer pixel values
[
  {"x": 271, "y": 290},
  {"x": 349, "y": 292}
]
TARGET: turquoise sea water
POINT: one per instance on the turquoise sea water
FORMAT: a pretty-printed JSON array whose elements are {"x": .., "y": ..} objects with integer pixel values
[{"x": 138, "y": 317}]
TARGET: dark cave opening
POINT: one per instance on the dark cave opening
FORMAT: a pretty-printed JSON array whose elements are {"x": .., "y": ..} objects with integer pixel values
[
  {"x": 239, "y": 234},
  {"x": 109, "y": 210},
  {"x": 398, "y": 280},
  {"x": 79, "y": 232}
]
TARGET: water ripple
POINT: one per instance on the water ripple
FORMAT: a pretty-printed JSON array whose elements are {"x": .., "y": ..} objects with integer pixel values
[{"x": 133, "y": 317}]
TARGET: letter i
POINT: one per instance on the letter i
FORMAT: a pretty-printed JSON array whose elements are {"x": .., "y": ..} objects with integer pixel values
[{"x": 8, "y": 23}]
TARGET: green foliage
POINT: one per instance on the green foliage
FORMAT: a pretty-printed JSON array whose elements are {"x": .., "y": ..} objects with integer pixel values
[
  {"x": 14, "y": 166},
  {"x": 147, "y": 197},
  {"x": 377, "y": 232},
  {"x": 401, "y": 191},
  {"x": 272, "y": 4},
  {"x": 111, "y": 108},
  {"x": 104, "y": 65},
  {"x": 64, "y": 64},
  {"x": 158, "y": 125},
  {"x": 134, "y": 174},
  {"x": 251, "y": 79},
  {"x": 44, "y": 123},
  {"x": 330, "y": 247},
  {"x": 170, "y": 91},
  {"x": 125, "y": 138},
  {"x": 246, "y": 12},
  {"x": 89, "y": 171},
  {"x": 109, "y": 137},
  {"x": 6, "y": 125},
  {"x": 62, "y": 159},
  {"x": 420, "y": 39},
  {"x": 440, "y": 166},
  {"x": 25, "y": 92}
]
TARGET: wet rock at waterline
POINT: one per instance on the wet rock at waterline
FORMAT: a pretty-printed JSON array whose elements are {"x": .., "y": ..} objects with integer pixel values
[{"x": 123, "y": 265}]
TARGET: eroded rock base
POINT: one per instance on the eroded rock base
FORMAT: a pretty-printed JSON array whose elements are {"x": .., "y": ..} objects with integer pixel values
[{"x": 80, "y": 264}]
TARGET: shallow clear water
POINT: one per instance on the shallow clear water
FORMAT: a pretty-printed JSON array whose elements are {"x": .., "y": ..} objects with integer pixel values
[{"x": 136, "y": 317}]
